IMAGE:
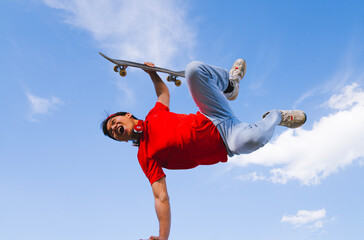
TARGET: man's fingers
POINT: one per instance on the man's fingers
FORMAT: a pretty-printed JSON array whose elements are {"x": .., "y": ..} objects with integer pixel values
[{"x": 149, "y": 64}]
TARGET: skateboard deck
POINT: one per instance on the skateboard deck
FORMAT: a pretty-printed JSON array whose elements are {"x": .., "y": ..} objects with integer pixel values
[{"x": 121, "y": 66}]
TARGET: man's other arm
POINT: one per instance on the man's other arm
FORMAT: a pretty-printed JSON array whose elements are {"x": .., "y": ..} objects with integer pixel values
[{"x": 162, "y": 208}]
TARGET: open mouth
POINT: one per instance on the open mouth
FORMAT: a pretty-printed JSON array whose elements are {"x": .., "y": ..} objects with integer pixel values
[{"x": 121, "y": 130}]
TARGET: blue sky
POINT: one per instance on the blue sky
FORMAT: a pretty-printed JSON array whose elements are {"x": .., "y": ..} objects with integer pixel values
[{"x": 60, "y": 178}]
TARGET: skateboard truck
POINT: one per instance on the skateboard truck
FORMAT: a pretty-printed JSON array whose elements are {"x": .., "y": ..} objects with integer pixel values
[
  {"x": 173, "y": 78},
  {"x": 121, "y": 70}
]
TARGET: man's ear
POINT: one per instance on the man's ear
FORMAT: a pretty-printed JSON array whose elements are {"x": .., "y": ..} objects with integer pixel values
[{"x": 128, "y": 115}]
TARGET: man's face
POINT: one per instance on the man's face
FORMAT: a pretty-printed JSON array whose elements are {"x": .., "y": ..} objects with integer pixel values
[{"x": 121, "y": 127}]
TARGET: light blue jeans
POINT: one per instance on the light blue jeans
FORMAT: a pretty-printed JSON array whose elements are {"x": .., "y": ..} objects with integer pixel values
[{"x": 206, "y": 84}]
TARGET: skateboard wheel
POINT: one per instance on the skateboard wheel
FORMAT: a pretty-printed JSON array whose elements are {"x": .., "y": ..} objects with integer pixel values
[
  {"x": 116, "y": 68},
  {"x": 169, "y": 78},
  {"x": 178, "y": 83},
  {"x": 122, "y": 72}
]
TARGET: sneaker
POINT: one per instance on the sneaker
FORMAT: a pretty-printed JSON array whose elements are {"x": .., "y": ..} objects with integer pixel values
[
  {"x": 236, "y": 73},
  {"x": 291, "y": 118}
]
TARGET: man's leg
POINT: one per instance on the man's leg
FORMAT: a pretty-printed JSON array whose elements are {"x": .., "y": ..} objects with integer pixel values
[
  {"x": 245, "y": 138},
  {"x": 206, "y": 84}
]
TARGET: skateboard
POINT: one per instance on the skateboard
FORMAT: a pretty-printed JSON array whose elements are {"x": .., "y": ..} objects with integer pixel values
[{"x": 121, "y": 66}]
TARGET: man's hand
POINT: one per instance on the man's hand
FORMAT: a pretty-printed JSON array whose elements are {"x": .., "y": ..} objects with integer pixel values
[
  {"x": 154, "y": 238},
  {"x": 149, "y": 64},
  {"x": 157, "y": 238}
]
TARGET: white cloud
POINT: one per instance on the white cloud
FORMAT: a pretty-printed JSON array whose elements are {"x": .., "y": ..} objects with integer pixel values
[
  {"x": 304, "y": 218},
  {"x": 135, "y": 30},
  {"x": 334, "y": 142},
  {"x": 41, "y": 106},
  {"x": 351, "y": 95}
]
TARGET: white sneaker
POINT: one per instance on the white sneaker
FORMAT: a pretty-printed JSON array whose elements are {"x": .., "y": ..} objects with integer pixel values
[
  {"x": 291, "y": 118},
  {"x": 236, "y": 73}
]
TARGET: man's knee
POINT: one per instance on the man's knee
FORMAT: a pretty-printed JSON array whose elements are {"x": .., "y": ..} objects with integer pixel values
[{"x": 194, "y": 69}]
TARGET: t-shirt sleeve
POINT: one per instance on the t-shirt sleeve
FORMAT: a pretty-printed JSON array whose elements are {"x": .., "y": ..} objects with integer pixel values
[
  {"x": 158, "y": 107},
  {"x": 151, "y": 168}
]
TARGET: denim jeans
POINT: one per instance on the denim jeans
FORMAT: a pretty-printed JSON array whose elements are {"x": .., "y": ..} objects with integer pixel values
[{"x": 206, "y": 84}]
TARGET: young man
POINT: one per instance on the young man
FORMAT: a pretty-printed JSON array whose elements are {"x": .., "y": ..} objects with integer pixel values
[{"x": 180, "y": 141}]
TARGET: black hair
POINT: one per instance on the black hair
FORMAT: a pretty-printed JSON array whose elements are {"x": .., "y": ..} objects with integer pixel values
[{"x": 104, "y": 123}]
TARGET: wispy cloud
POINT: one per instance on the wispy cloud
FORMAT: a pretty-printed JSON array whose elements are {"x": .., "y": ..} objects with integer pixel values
[
  {"x": 127, "y": 98},
  {"x": 41, "y": 106},
  {"x": 137, "y": 30},
  {"x": 335, "y": 83},
  {"x": 349, "y": 67},
  {"x": 307, "y": 219},
  {"x": 333, "y": 143}
]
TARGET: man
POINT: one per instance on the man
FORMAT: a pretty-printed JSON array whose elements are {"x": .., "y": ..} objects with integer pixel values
[{"x": 179, "y": 141}]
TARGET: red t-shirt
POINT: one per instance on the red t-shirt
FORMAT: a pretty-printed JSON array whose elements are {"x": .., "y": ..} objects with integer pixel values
[{"x": 178, "y": 141}]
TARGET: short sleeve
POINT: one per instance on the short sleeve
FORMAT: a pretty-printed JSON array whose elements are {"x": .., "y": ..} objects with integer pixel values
[
  {"x": 152, "y": 170},
  {"x": 158, "y": 107}
]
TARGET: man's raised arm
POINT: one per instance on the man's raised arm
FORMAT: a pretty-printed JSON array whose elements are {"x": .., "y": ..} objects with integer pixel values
[{"x": 161, "y": 88}]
